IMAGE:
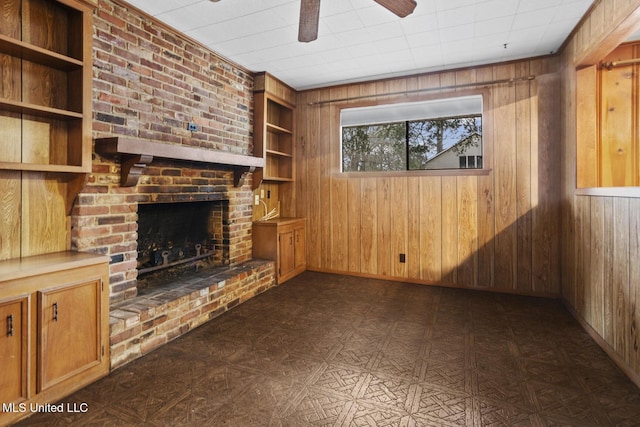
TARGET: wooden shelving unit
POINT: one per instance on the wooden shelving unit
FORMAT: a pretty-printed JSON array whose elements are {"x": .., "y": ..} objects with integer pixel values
[
  {"x": 45, "y": 112},
  {"x": 54, "y": 302},
  {"x": 274, "y": 136}
]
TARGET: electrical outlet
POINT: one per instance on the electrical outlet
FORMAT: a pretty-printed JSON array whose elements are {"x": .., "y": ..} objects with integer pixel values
[
  {"x": 257, "y": 200},
  {"x": 192, "y": 127},
  {"x": 403, "y": 258}
]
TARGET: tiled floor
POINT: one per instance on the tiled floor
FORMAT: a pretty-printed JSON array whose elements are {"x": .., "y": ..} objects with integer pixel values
[{"x": 325, "y": 350}]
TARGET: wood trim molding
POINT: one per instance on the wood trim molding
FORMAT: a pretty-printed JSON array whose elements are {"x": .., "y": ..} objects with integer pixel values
[{"x": 136, "y": 154}]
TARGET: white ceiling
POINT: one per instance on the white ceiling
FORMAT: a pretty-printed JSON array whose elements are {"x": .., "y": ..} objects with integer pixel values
[{"x": 360, "y": 40}]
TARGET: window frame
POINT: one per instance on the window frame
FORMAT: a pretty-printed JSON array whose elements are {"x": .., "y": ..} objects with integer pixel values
[
  {"x": 487, "y": 134},
  {"x": 584, "y": 183}
]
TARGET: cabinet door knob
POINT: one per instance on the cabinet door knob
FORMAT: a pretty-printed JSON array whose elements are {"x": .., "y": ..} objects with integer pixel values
[
  {"x": 55, "y": 311},
  {"x": 10, "y": 325}
]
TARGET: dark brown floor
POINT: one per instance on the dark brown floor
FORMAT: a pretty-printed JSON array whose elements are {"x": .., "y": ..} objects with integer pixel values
[{"x": 325, "y": 350}]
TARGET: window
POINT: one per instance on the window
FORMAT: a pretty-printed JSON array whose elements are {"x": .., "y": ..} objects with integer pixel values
[
  {"x": 427, "y": 135},
  {"x": 470, "y": 162},
  {"x": 607, "y": 131}
]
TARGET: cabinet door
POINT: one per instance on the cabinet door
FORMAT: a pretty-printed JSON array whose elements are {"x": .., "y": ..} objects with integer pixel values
[
  {"x": 69, "y": 340},
  {"x": 300, "y": 247},
  {"x": 14, "y": 314},
  {"x": 286, "y": 255}
]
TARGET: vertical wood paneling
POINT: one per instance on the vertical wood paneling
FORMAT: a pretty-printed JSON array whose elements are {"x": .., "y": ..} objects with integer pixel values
[
  {"x": 545, "y": 189},
  {"x": 431, "y": 228},
  {"x": 595, "y": 304},
  {"x": 339, "y": 224},
  {"x": 454, "y": 230},
  {"x": 369, "y": 227},
  {"x": 414, "y": 201},
  {"x": 354, "y": 209},
  {"x": 328, "y": 161},
  {"x": 608, "y": 249},
  {"x": 621, "y": 287},
  {"x": 449, "y": 229},
  {"x": 524, "y": 159},
  {"x": 587, "y": 132},
  {"x": 634, "y": 291},
  {"x": 467, "y": 204},
  {"x": 467, "y": 217},
  {"x": 44, "y": 216},
  {"x": 582, "y": 254},
  {"x": 505, "y": 179},
  {"x": 601, "y": 232},
  {"x": 383, "y": 231},
  {"x": 616, "y": 151},
  {"x": 313, "y": 175},
  {"x": 399, "y": 226},
  {"x": 11, "y": 126},
  {"x": 303, "y": 115},
  {"x": 596, "y": 258},
  {"x": 486, "y": 197},
  {"x": 10, "y": 223}
]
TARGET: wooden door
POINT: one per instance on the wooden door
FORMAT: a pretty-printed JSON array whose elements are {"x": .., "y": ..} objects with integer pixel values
[
  {"x": 14, "y": 315},
  {"x": 69, "y": 340},
  {"x": 286, "y": 257}
]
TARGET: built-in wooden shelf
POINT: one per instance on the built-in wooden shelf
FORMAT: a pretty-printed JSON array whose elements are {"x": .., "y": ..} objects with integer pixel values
[
  {"x": 136, "y": 154},
  {"x": 278, "y": 129},
  {"x": 39, "y": 110},
  {"x": 279, "y": 153},
  {"x": 38, "y": 55}
]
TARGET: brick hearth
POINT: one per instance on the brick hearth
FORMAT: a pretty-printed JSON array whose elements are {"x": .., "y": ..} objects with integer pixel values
[{"x": 141, "y": 324}]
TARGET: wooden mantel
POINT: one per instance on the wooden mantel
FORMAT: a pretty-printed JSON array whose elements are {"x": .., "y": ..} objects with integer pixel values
[{"x": 136, "y": 154}]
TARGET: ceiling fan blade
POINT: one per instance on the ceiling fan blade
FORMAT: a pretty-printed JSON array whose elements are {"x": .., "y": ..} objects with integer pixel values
[
  {"x": 401, "y": 8},
  {"x": 309, "y": 17}
]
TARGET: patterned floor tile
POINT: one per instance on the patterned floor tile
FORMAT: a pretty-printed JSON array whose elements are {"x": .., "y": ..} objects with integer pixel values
[{"x": 328, "y": 350}]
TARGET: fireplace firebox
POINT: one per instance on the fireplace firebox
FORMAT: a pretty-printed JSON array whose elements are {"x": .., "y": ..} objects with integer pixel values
[{"x": 177, "y": 238}]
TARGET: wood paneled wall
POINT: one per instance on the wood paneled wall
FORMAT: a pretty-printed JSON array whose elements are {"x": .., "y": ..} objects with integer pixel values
[
  {"x": 497, "y": 230},
  {"x": 34, "y": 213},
  {"x": 600, "y": 245}
]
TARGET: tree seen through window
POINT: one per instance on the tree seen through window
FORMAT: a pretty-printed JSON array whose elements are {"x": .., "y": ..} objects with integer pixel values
[{"x": 411, "y": 145}]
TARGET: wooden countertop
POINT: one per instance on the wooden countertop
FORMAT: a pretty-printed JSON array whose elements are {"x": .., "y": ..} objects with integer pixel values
[
  {"x": 42, "y": 264},
  {"x": 279, "y": 221}
]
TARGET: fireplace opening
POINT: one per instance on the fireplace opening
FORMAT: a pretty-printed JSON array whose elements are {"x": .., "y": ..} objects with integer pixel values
[{"x": 175, "y": 239}]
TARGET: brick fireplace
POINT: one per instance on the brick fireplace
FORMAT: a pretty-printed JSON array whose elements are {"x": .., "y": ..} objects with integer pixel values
[
  {"x": 106, "y": 216},
  {"x": 151, "y": 83}
]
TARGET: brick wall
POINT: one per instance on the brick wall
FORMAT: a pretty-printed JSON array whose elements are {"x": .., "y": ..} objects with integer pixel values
[{"x": 149, "y": 83}]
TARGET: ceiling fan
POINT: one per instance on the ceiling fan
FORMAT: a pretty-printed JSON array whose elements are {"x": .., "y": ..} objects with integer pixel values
[{"x": 310, "y": 15}]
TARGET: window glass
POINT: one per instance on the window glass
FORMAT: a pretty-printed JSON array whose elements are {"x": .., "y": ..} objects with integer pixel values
[
  {"x": 374, "y": 148},
  {"x": 425, "y": 139}
]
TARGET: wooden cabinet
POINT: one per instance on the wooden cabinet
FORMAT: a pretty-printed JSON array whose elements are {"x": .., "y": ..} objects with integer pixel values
[
  {"x": 54, "y": 310},
  {"x": 69, "y": 331},
  {"x": 45, "y": 98},
  {"x": 284, "y": 241},
  {"x": 14, "y": 315}
]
